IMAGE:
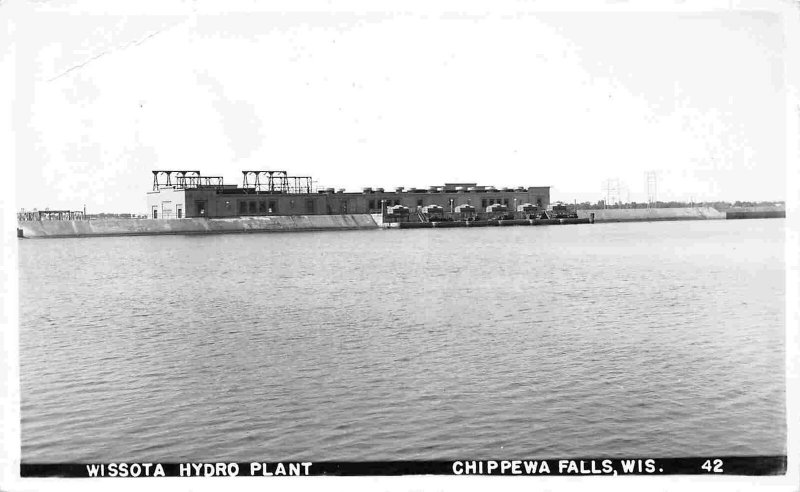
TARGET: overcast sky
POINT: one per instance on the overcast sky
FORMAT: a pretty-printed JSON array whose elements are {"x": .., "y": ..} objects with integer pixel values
[{"x": 439, "y": 92}]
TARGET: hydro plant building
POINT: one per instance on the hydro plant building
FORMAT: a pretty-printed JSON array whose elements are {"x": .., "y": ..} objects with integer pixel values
[{"x": 189, "y": 194}]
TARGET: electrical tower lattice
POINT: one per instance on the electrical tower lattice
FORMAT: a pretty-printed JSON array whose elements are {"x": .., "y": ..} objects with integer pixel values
[{"x": 652, "y": 187}]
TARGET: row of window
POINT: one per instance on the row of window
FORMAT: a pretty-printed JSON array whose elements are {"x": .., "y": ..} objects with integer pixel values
[
  {"x": 485, "y": 203},
  {"x": 252, "y": 207},
  {"x": 257, "y": 207},
  {"x": 376, "y": 204}
]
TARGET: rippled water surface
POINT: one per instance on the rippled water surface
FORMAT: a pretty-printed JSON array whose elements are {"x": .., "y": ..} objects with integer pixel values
[{"x": 654, "y": 339}]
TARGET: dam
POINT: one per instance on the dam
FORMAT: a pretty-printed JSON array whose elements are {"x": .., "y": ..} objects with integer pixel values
[{"x": 187, "y": 202}]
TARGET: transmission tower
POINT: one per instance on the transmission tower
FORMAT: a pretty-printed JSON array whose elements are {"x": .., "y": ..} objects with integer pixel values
[
  {"x": 612, "y": 190},
  {"x": 651, "y": 179}
]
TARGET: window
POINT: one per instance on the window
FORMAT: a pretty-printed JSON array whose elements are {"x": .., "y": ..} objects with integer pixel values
[
  {"x": 273, "y": 207},
  {"x": 262, "y": 206},
  {"x": 242, "y": 207},
  {"x": 251, "y": 206}
]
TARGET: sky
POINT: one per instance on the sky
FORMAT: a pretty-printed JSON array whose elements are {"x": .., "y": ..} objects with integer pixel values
[{"x": 382, "y": 97}]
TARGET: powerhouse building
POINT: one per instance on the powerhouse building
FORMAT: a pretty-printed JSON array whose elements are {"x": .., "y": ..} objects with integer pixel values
[{"x": 188, "y": 194}]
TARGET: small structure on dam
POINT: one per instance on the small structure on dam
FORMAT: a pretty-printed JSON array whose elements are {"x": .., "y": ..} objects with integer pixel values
[{"x": 188, "y": 194}]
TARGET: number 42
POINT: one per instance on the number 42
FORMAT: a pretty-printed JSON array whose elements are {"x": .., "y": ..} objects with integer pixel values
[{"x": 712, "y": 466}]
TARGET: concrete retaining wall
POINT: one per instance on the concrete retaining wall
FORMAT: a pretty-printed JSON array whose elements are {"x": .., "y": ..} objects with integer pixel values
[
  {"x": 132, "y": 227},
  {"x": 652, "y": 214},
  {"x": 755, "y": 214}
]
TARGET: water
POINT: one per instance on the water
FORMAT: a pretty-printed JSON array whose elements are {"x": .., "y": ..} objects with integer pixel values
[{"x": 651, "y": 339}]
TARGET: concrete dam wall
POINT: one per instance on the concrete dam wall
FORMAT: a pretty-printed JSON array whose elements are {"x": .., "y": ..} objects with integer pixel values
[
  {"x": 652, "y": 214},
  {"x": 756, "y": 213},
  {"x": 143, "y": 227}
]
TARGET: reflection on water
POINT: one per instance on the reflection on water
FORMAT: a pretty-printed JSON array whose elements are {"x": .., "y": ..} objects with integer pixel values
[{"x": 660, "y": 339}]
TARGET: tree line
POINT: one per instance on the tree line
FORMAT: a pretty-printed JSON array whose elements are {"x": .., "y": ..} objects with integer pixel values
[{"x": 719, "y": 205}]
